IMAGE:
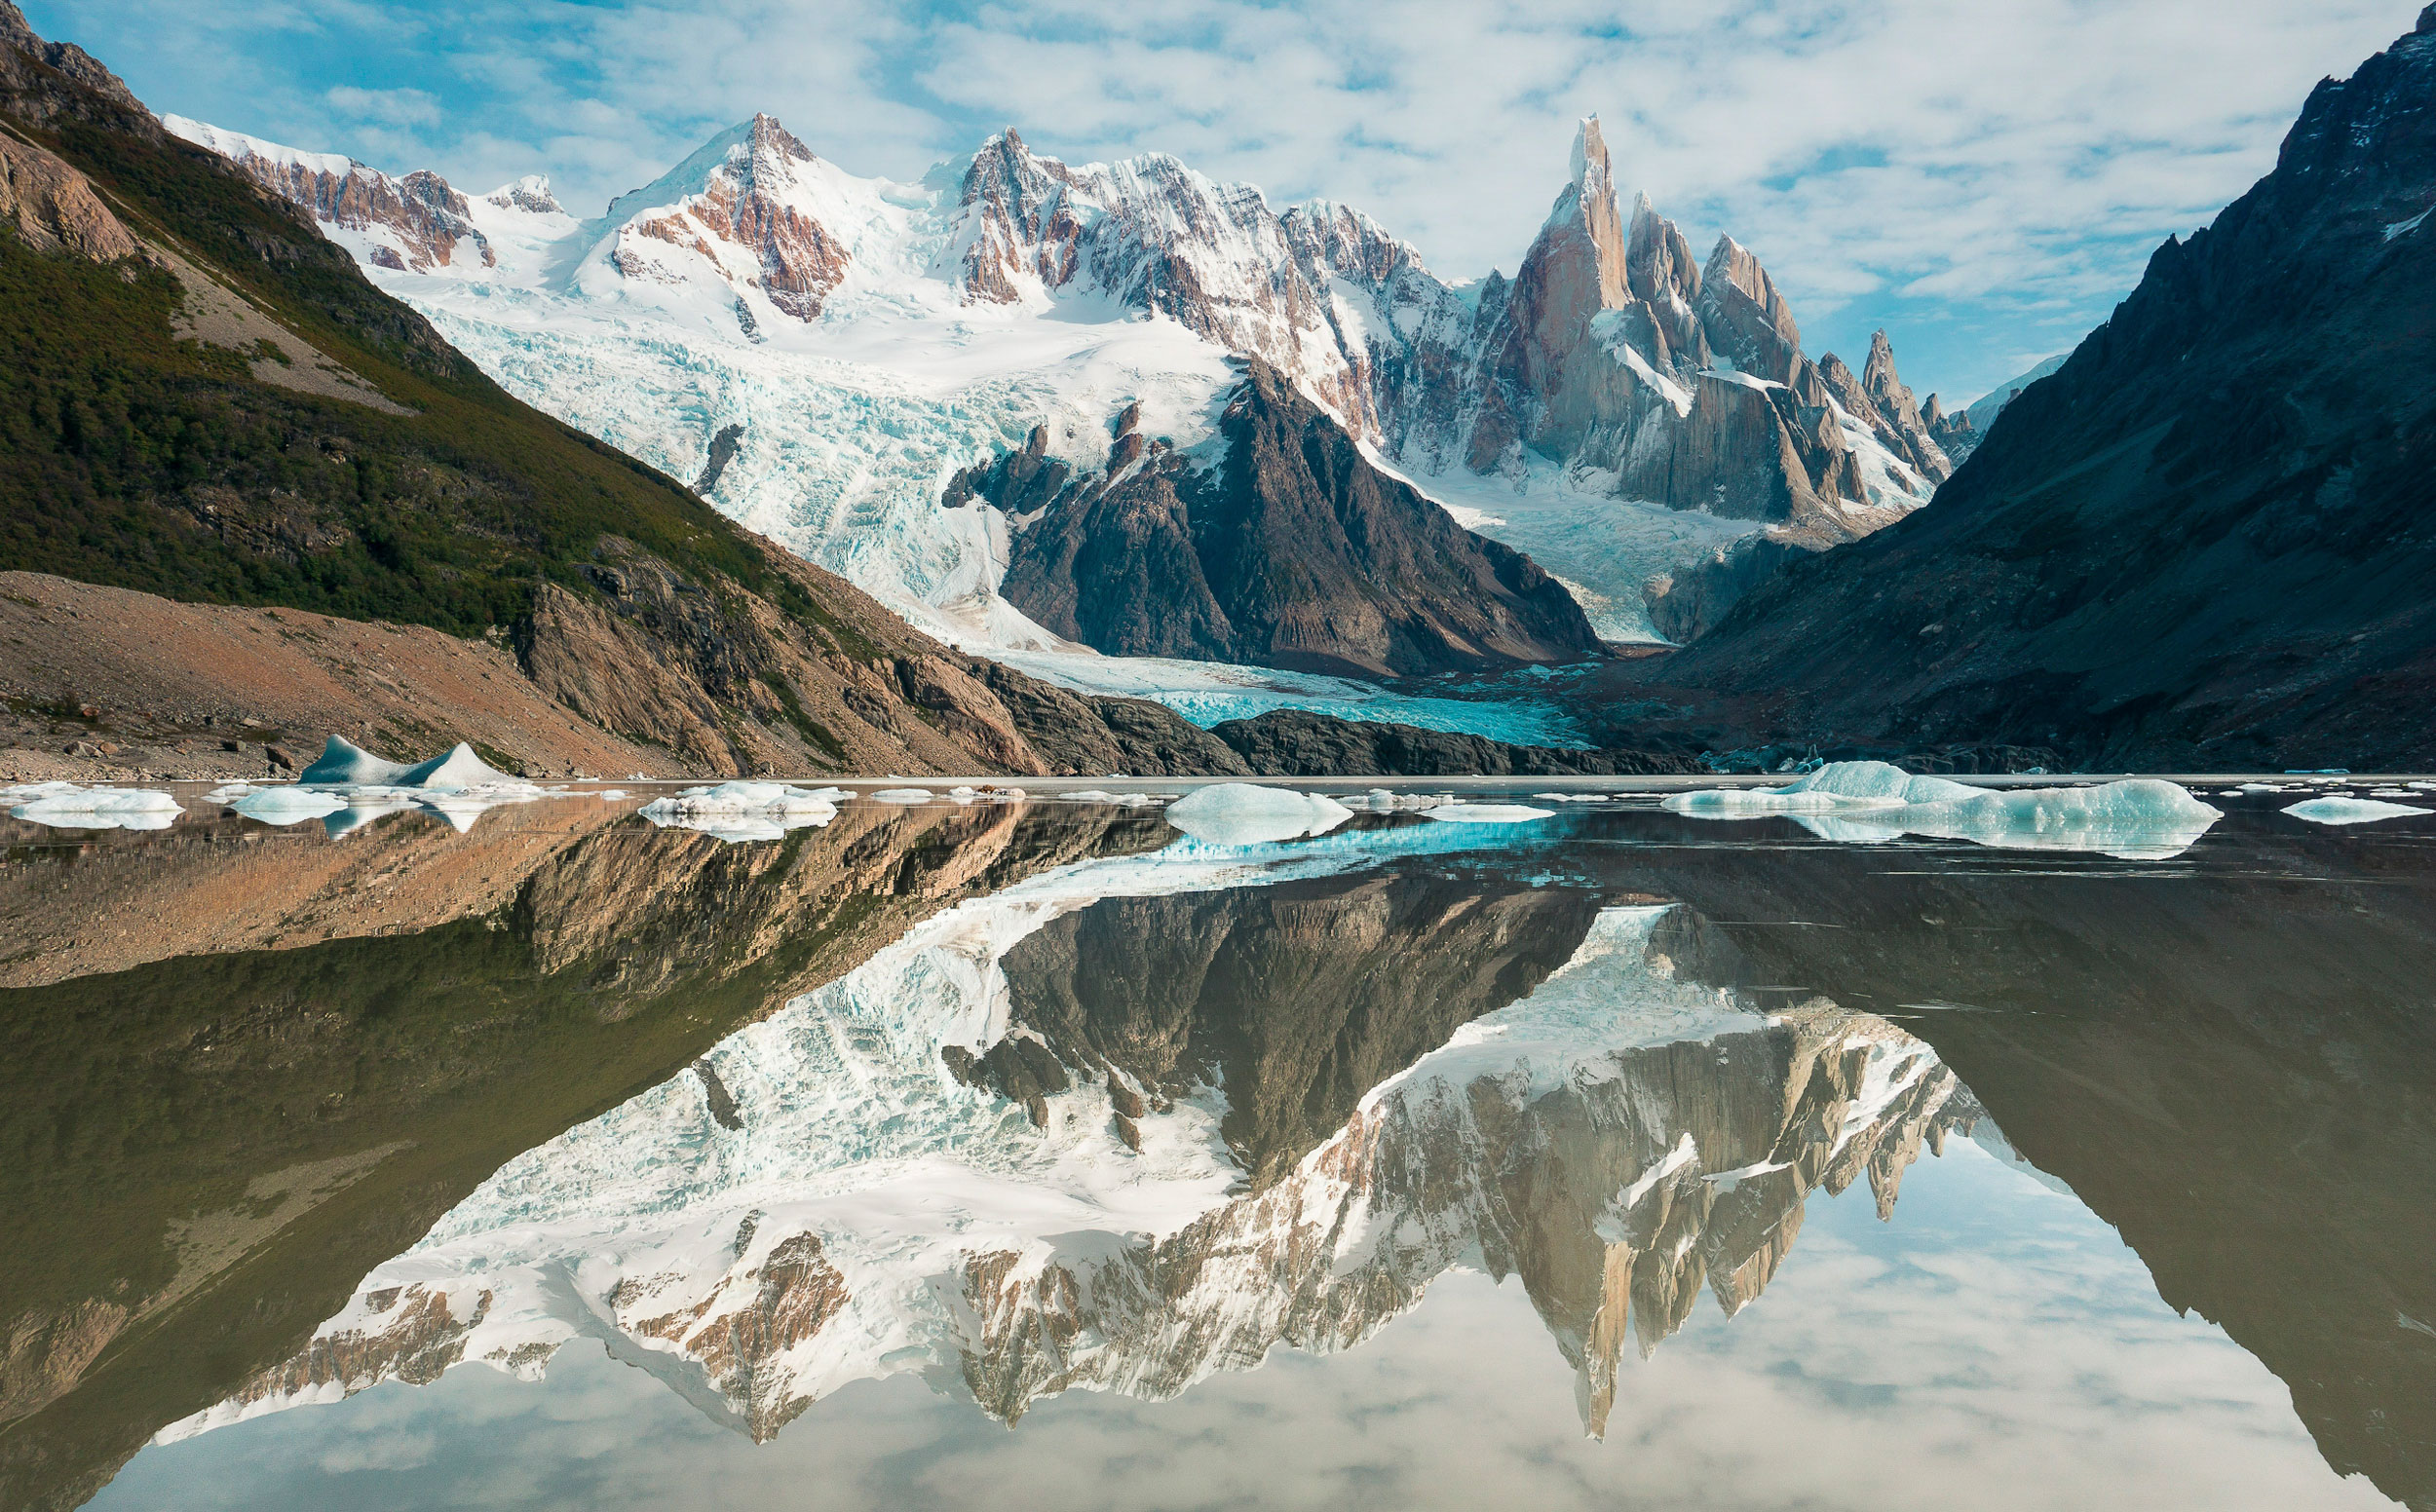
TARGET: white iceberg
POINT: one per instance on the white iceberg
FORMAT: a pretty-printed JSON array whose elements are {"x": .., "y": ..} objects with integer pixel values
[
  {"x": 288, "y": 805},
  {"x": 2137, "y": 818},
  {"x": 902, "y": 795},
  {"x": 740, "y": 812},
  {"x": 344, "y": 764},
  {"x": 1239, "y": 814},
  {"x": 66, "y": 806},
  {"x": 1486, "y": 813},
  {"x": 2352, "y": 811}
]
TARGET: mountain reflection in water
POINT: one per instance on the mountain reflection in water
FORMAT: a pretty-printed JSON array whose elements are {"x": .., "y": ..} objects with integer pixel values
[{"x": 1061, "y": 1106}]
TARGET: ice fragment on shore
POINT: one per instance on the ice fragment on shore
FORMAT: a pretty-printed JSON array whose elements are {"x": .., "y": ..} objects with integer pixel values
[
  {"x": 1239, "y": 814},
  {"x": 2352, "y": 811}
]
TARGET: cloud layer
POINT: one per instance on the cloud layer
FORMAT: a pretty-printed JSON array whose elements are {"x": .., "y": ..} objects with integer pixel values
[{"x": 1983, "y": 179}]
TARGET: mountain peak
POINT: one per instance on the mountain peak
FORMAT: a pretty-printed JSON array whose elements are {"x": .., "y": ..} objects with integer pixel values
[{"x": 1589, "y": 152}]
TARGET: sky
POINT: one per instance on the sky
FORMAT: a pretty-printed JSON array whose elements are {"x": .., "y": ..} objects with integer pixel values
[{"x": 1984, "y": 178}]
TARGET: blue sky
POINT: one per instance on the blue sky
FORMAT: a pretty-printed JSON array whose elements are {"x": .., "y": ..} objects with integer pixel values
[{"x": 1983, "y": 177}]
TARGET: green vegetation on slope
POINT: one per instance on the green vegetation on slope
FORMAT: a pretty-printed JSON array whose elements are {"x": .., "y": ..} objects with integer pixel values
[{"x": 138, "y": 460}]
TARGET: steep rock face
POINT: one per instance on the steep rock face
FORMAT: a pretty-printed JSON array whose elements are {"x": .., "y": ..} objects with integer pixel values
[
  {"x": 414, "y": 223},
  {"x": 1613, "y": 351},
  {"x": 1293, "y": 551},
  {"x": 54, "y": 206},
  {"x": 755, "y": 217},
  {"x": 2205, "y": 542}
]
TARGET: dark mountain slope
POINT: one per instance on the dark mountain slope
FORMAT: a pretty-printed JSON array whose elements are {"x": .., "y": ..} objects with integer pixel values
[
  {"x": 2208, "y": 541},
  {"x": 1293, "y": 552}
]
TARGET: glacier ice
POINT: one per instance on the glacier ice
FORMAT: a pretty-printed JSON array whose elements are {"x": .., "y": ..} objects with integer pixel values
[
  {"x": 739, "y": 812},
  {"x": 1240, "y": 813},
  {"x": 2137, "y": 818},
  {"x": 2352, "y": 811},
  {"x": 288, "y": 805},
  {"x": 343, "y": 761},
  {"x": 66, "y": 806}
]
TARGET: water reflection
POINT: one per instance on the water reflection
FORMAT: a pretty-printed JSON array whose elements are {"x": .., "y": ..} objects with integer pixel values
[{"x": 1001, "y": 1102}]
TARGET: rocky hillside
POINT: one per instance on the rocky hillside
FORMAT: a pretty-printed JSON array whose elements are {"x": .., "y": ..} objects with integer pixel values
[
  {"x": 2207, "y": 542},
  {"x": 1291, "y": 550}
]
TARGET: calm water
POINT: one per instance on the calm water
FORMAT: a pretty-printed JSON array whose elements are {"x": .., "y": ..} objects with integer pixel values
[{"x": 1037, "y": 1155}]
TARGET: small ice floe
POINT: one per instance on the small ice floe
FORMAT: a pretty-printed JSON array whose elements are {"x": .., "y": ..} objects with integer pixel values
[
  {"x": 2391, "y": 792},
  {"x": 610, "y": 794},
  {"x": 228, "y": 793},
  {"x": 736, "y": 812},
  {"x": 1569, "y": 797},
  {"x": 902, "y": 795},
  {"x": 1121, "y": 800},
  {"x": 2137, "y": 818},
  {"x": 1487, "y": 813},
  {"x": 66, "y": 806},
  {"x": 1240, "y": 813},
  {"x": 1380, "y": 801},
  {"x": 2352, "y": 811},
  {"x": 282, "y": 806}
]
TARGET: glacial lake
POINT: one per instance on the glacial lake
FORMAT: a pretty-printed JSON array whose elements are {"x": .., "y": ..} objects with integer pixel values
[{"x": 1036, "y": 1153}]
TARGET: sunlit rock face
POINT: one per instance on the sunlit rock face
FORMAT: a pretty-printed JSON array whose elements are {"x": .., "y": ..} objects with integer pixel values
[
  {"x": 1013, "y": 1156},
  {"x": 412, "y": 224}
]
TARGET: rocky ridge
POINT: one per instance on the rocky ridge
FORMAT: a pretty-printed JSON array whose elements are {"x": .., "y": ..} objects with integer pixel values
[
  {"x": 1612, "y": 369},
  {"x": 1292, "y": 551}
]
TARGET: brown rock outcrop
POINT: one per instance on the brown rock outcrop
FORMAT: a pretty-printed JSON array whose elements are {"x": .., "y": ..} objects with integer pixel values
[{"x": 54, "y": 206}]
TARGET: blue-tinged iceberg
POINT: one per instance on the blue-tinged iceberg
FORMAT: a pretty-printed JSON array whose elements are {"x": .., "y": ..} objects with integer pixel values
[{"x": 2137, "y": 818}]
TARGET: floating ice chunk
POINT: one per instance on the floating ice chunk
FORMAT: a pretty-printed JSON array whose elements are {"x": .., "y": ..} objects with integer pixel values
[
  {"x": 460, "y": 768},
  {"x": 2139, "y": 818},
  {"x": 736, "y": 812},
  {"x": 1487, "y": 813},
  {"x": 66, "y": 806},
  {"x": 2352, "y": 811},
  {"x": 1121, "y": 800},
  {"x": 902, "y": 795},
  {"x": 610, "y": 794},
  {"x": 287, "y": 805},
  {"x": 1570, "y": 796},
  {"x": 342, "y": 761},
  {"x": 344, "y": 764},
  {"x": 1239, "y": 814},
  {"x": 2391, "y": 792}
]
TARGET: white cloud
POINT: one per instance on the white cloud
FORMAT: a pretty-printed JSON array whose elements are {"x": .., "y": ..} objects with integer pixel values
[{"x": 1990, "y": 175}]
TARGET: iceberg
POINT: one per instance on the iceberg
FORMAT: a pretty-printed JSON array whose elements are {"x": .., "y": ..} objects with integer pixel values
[
  {"x": 2352, "y": 811},
  {"x": 343, "y": 762},
  {"x": 66, "y": 806},
  {"x": 1867, "y": 802},
  {"x": 741, "y": 811},
  {"x": 287, "y": 805},
  {"x": 1239, "y": 814},
  {"x": 902, "y": 795},
  {"x": 1486, "y": 813}
]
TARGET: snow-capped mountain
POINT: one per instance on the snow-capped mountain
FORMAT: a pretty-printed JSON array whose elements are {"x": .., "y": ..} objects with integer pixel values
[
  {"x": 823, "y": 353},
  {"x": 825, "y": 1198}
]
